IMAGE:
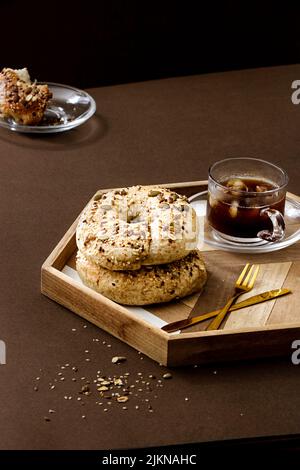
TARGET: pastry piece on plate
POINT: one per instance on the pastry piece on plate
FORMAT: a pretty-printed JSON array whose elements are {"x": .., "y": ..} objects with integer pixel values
[{"x": 20, "y": 99}]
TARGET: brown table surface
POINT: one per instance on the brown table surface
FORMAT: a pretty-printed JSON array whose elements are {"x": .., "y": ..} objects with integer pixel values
[{"x": 153, "y": 132}]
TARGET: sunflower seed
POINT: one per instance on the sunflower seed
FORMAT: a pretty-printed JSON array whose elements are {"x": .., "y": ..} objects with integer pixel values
[
  {"x": 167, "y": 376},
  {"x": 122, "y": 399},
  {"x": 117, "y": 359},
  {"x": 153, "y": 193}
]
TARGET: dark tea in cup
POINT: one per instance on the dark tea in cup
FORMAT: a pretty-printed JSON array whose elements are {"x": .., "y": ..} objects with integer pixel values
[{"x": 246, "y": 199}]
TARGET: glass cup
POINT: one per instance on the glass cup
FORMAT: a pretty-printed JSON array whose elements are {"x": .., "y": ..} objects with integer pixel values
[{"x": 246, "y": 199}]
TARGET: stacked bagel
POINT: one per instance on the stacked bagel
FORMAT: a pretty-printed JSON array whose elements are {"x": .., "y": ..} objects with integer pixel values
[{"x": 137, "y": 246}]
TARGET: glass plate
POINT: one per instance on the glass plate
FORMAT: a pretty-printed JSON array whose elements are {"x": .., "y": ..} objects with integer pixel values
[
  {"x": 210, "y": 237},
  {"x": 69, "y": 108}
]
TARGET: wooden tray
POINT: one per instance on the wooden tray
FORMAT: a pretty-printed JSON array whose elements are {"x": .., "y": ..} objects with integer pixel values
[{"x": 264, "y": 330}]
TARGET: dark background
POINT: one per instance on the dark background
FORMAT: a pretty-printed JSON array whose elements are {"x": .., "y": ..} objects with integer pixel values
[{"x": 94, "y": 43}]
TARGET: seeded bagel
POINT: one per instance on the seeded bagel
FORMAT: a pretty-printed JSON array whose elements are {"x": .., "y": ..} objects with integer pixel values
[
  {"x": 150, "y": 284},
  {"x": 128, "y": 228}
]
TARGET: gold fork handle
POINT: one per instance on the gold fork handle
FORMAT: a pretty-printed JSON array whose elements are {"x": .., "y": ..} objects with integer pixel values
[{"x": 216, "y": 322}]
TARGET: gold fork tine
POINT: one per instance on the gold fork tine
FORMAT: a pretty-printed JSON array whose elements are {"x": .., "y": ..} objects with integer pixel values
[
  {"x": 254, "y": 276},
  {"x": 246, "y": 280},
  {"x": 243, "y": 284},
  {"x": 242, "y": 274}
]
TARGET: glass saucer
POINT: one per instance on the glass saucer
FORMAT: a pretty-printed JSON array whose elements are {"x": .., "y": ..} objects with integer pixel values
[
  {"x": 69, "y": 108},
  {"x": 212, "y": 238}
]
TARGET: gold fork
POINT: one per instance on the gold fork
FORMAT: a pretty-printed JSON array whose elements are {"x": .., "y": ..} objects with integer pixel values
[{"x": 244, "y": 284}]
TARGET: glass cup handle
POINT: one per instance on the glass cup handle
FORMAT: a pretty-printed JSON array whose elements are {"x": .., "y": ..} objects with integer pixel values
[{"x": 278, "y": 226}]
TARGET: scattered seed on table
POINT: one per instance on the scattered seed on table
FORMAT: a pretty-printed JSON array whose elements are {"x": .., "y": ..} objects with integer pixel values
[
  {"x": 118, "y": 359},
  {"x": 122, "y": 399},
  {"x": 87, "y": 359},
  {"x": 83, "y": 416},
  {"x": 62, "y": 367},
  {"x": 105, "y": 409},
  {"x": 59, "y": 373},
  {"x": 118, "y": 382},
  {"x": 73, "y": 379},
  {"x": 79, "y": 398},
  {"x": 36, "y": 389},
  {"x": 74, "y": 369},
  {"x": 186, "y": 399},
  {"x": 46, "y": 418},
  {"x": 62, "y": 379},
  {"x": 51, "y": 411},
  {"x": 65, "y": 397},
  {"x": 166, "y": 376},
  {"x": 136, "y": 407},
  {"x": 86, "y": 351},
  {"x": 73, "y": 329},
  {"x": 67, "y": 365},
  {"x": 124, "y": 407},
  {"x": 84, "y": 326},
  {"x": 52, "y": 387}
]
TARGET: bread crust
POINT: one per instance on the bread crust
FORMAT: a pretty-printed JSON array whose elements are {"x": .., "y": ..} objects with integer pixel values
[
  {"x": 149, "y": 285},
  {"x": 128, "y": 228}
]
